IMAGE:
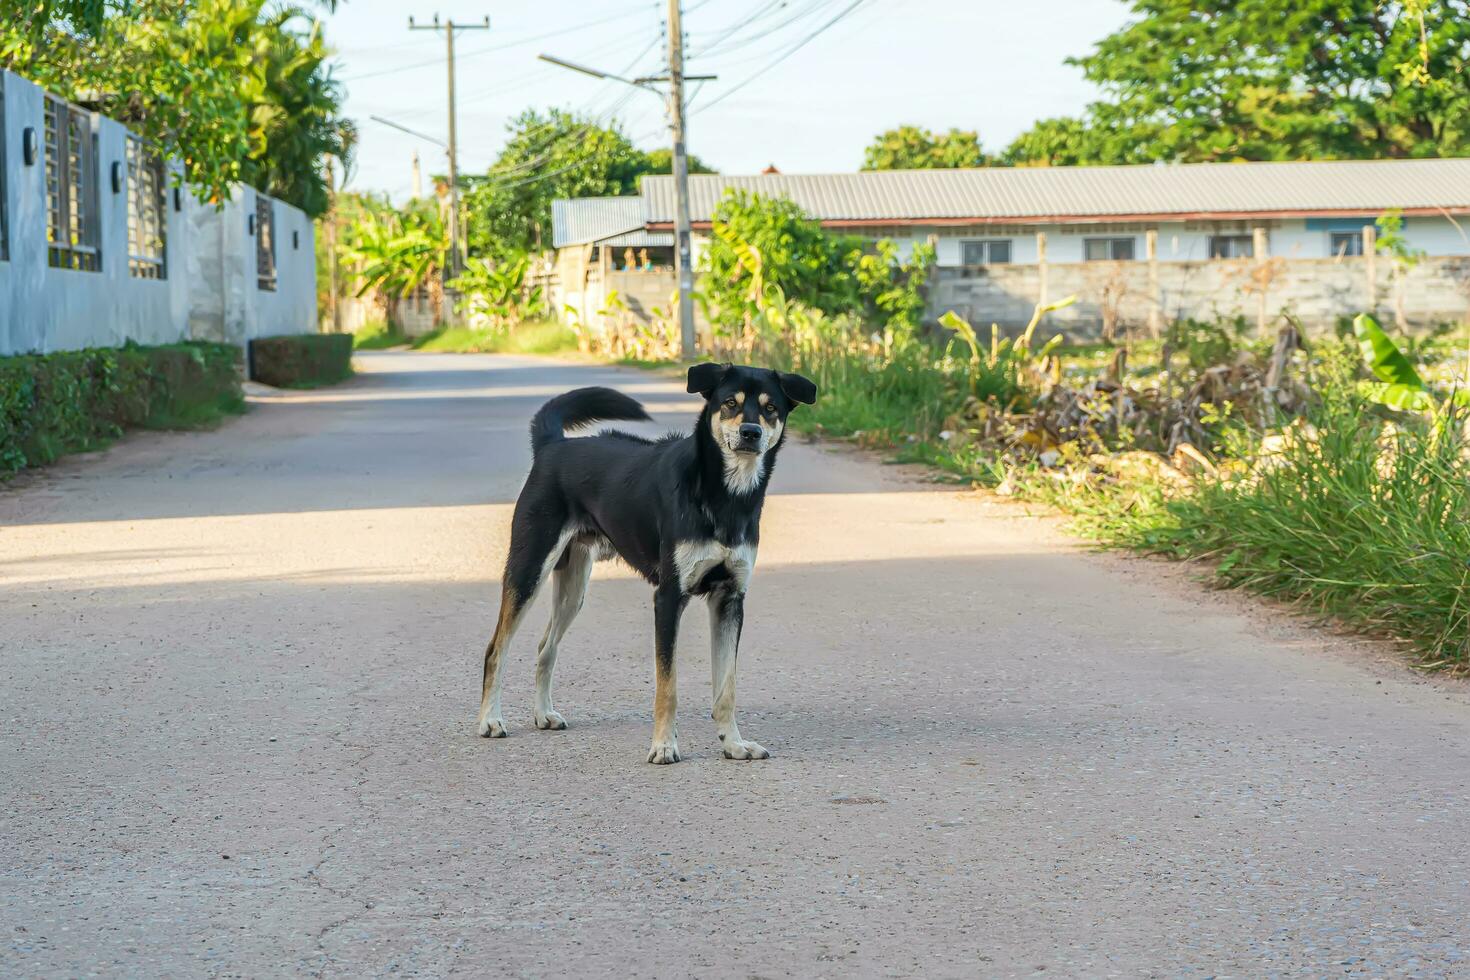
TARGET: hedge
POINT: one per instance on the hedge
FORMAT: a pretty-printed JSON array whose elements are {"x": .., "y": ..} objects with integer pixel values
[
  {"x": 301, "y": 360},
  {"x": 73, "y": 401}
]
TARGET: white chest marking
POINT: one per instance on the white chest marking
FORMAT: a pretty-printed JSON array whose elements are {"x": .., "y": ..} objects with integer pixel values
[{"x": 695, "y": 559}]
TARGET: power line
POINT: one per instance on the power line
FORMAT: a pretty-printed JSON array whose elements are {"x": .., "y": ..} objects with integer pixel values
[
  {"x": 477, "y": 52},
  {"x": 783, "y": 55},
  {"x": 740, "y": 43},
  {"x": 770, "y": 6},
  {"x": 596, "y": 122}
]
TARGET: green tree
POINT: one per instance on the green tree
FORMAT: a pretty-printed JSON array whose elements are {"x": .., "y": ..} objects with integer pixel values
[
  {"x": 549, "y": 155},
  {"x": 392, "y": 251},
  {"x": 1204, "y": 80},
  {"x": 661, "y": 161},
  {"x": 761, "y": 245},
  {"x": 1061, "y": 142},
  {"x": 916, "y": 148},
  {"x": 235, "y": 89},
  {"x": 294, "y": 120}
]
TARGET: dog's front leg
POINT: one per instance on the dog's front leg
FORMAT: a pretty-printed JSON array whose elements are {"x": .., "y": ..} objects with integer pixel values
[
  {"x": 668, "y": 605},
  {"x": 726, "y": 617}
]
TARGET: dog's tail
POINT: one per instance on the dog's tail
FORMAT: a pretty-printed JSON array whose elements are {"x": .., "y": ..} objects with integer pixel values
[{"x": 578, "y": 408}]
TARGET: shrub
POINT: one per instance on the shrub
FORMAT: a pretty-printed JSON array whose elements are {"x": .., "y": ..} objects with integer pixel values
[
  {"x": 301, "y": 360},
  {"x": 73, "y": 401},
  {"x": 761, "y": 244}
]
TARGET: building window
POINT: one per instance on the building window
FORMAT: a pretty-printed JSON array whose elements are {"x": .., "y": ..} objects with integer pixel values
[
  {"x": 1232, "y": 247},
  {"x": 71, "y": 188},
  {"x": 146, "y": 194},
  {"x": 265, "y": 244},
  {"x": 990, "y": 252},
  {"x": 1346, "y": 243},
  {"x": 1107, "y": 249}
]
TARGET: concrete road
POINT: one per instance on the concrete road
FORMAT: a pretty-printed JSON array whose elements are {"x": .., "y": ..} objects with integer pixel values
[{"x": 239, "y": 673}]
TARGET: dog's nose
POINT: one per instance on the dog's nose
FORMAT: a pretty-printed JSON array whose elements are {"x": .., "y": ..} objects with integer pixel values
[{"x": 750, "y": 432}]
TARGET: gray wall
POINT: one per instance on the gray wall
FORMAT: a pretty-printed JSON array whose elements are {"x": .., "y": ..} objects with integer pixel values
[
  {"x": 44, "y": 309},
  {"x": 1140, "y": 296},
  {"x": 224, "y": 300}
]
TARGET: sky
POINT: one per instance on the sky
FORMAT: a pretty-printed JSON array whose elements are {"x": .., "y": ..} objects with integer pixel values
[{"x": 994, "y": 66}]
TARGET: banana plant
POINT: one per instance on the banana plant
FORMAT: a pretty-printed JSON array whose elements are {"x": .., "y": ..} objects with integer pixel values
[{"x": 1398, "y": 385}]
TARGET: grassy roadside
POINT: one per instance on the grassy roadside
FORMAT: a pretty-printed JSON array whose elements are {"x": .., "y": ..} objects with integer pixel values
[
  {"x": 532, "y": 337},
  {"x": 76, "y": 401},
  {"x": 1348, "y": 510}
]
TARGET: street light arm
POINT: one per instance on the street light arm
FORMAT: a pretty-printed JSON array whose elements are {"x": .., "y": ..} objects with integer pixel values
[
  {"x": 411, "y": 132},
  {"x": 596, "y": 73}
]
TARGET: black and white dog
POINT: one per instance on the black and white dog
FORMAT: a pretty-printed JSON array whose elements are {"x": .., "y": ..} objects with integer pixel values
[{"x": 683, "y": 511}]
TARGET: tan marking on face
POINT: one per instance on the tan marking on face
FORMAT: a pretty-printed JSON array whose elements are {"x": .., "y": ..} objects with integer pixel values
[
  {"x": 764, "y": 399},
  {"x": 740, "y": 397}
]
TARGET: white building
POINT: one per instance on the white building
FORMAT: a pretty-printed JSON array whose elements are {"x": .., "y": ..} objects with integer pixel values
[
  {"x": 99, "y": 246},
  {"x": 1143, "y": 244}
]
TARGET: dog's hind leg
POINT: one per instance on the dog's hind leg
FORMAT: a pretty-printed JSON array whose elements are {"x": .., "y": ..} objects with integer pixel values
[
  {"x": 568, "y": 589},
  {"x": 726, "y": 617},
  {"x": 532, "y": 555},
  {"x": 668, "y": 605}
]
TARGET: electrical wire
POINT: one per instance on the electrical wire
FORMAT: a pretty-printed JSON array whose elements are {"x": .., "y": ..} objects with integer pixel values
[
  {"x": 477, "y": 52},
  {"x": 770, "y": 6},
  {"x": 740, "y": 43},
  {"x": 783, "y": 55}
]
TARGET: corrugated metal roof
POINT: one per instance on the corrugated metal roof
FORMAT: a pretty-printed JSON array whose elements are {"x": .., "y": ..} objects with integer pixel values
[
  {"x": 640, "y": 239},
  {"x": 579, "y": 220},
  {"x": 1003, "y": 193}
]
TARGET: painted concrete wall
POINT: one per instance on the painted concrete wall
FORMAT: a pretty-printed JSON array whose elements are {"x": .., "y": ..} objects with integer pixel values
[
  {"x": 1139, "y": 296},
  {"x": 209, "y": 291}
]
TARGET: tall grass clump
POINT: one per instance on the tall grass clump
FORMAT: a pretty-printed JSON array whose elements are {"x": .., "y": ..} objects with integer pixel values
[
  {"x": 1354, "y": 511},
  {"x": 1368, "y": 522}
]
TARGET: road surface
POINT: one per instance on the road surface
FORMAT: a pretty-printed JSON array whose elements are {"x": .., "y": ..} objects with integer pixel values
[{"x": 239, "y": 672}]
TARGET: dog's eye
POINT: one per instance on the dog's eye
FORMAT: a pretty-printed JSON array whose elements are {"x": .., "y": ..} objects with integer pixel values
[
  {"x": 731, "y": 404},
  {"x": 771, "y": 409}
]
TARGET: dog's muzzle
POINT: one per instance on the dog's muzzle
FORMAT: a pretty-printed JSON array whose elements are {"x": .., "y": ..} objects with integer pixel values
[{"x": 750, "y": 438}]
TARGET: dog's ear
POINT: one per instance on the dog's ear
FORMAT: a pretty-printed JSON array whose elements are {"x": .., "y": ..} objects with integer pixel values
[
  {"x": 797, "y": 388},
  {"x": 704, "y": 378}
]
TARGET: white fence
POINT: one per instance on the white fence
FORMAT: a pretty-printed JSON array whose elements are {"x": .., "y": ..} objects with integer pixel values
[{"x": 98, "y": 246}]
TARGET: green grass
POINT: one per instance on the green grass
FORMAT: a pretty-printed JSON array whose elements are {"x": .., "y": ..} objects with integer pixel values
[
  {"x": 75, "y": 401},
  {"x": 1368, "y": 523},
  {"x": 378, "y": 336},
  {"x": 532, "y": 337}
]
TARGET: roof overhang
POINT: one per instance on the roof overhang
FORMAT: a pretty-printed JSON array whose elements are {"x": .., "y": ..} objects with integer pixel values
[{"x": 1096, "y": 219}]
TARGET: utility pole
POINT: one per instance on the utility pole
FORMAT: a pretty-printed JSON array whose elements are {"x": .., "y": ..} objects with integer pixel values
[
  {"x": 449, "y": 27},
  {"x": 684, "y": 260},
  {"x": 675, "y": 104}
]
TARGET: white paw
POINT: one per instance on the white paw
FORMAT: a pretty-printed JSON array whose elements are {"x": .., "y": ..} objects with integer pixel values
[
  {"x": 739, "y": 748},
  {"x": 664, "y": 754},
  {"x": 492, "y": 728},
  {"x": 551, "y": 721}
]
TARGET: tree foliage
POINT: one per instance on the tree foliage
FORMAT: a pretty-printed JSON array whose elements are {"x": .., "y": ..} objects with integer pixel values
[
  {"x": 238, "y": 90},
  {"x": 762, "y": 245},
  {"x": 1206, "y": 80},
  {"x": 916, "y": 148},
  {"x": 392, "y": 251},
  {"x": 549, "y": 155}
]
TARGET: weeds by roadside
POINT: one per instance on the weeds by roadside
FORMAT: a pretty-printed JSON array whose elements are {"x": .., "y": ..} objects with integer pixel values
[
  {"x": 529, "y": 337},
  {"x": 1336, "y": 478}
]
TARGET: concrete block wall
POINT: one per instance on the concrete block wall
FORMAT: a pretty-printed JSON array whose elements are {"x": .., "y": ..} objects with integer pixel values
[
  {"x": 1138, "y": 296},
  {"x": 209, "y": 291}
]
